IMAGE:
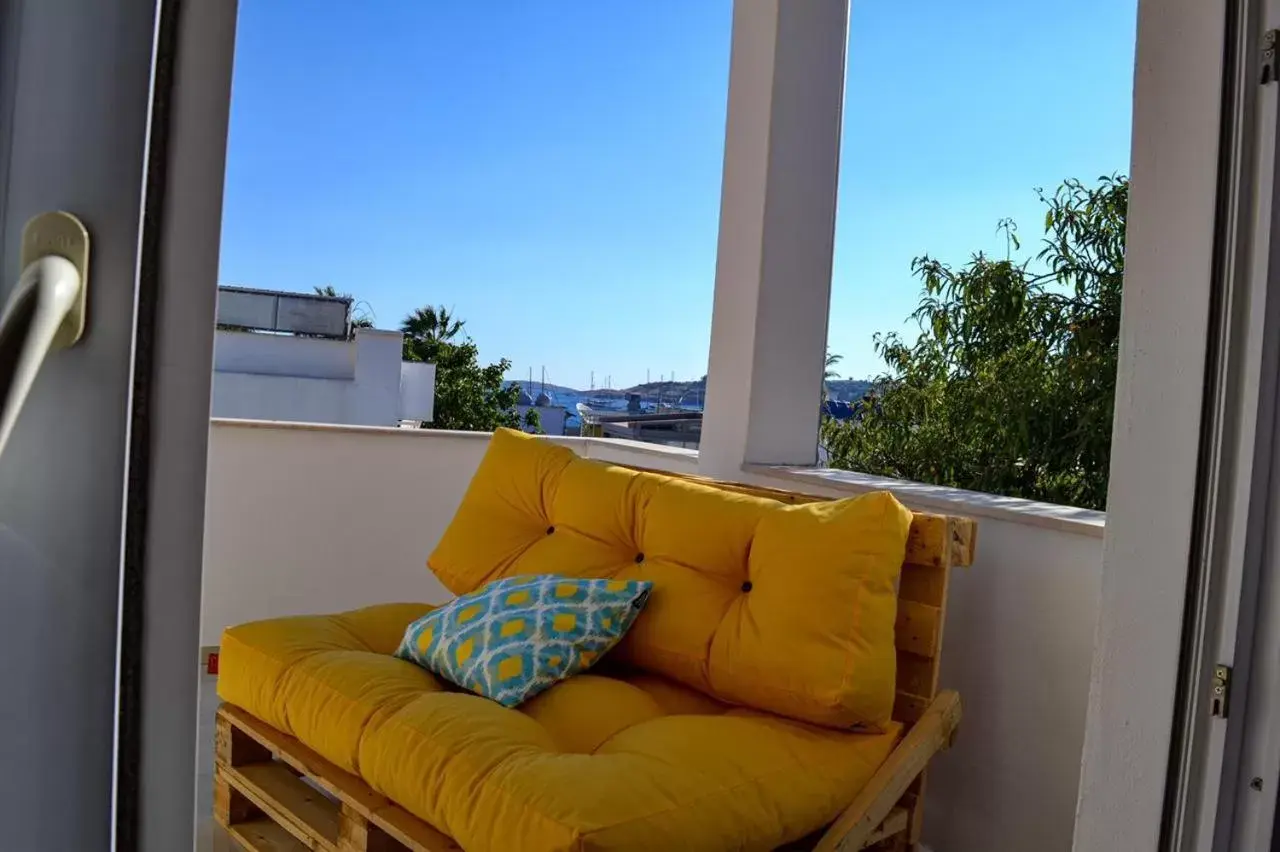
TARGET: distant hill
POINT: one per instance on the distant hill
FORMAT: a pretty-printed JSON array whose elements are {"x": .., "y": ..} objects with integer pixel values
[
  {"x": 848, "y": 390},
  {"x": 693, "y": 391},
  {"x": 670, "y": 391},
  {"x": 536, "y": 388}
]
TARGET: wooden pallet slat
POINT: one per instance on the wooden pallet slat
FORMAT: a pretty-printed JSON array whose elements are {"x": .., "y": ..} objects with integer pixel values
[
  {"x": 412, "y": 833},
  {"x": 964, "y": 541},
  {"x": 918, "y": 628},
  {"x": 290, "y": 801},
  {"x": 908, "y": 708},
  {"x": 360, "y": 835},
  {"x": 339, "y": 783},
  {"x": 895, "y": 778},
  {"x": 941, "y": 540},
  {"x": 263, "y": 835},
  {"x": 356, "y": 820},
  {"x": 894, "y": 823},
  {"x": 926, "y": 584},
  {"x": 927, "y": 541},
  {"x": 233, "y": 748},
  {"x": 229, "y": 804},
  {"x": 915, "y": 674}
]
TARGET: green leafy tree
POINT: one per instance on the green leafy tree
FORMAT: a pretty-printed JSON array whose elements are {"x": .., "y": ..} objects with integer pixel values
[
  {"x": 1009, "y": 387},
  {"x": 533, "y": 421},
  {"x": 468, "y": 396}
]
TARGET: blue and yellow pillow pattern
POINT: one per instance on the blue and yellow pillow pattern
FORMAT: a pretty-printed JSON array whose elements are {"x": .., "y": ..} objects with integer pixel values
[{"x": 515, "y": 637}]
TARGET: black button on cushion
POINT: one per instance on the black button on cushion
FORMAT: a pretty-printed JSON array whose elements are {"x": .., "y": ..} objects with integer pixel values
[
  {"x": 639, "y": 558},
  {"x": 746, "y": 586},
  {"x": 550, "y": 530}
]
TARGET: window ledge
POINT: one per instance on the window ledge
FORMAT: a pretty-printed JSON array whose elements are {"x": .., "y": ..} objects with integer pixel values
[
  {"x": 939, "y": 498},
  {"x": 299, "y": 426},
  {"x": 936, "y": 498},
  {"x": 612, "y": 444}
]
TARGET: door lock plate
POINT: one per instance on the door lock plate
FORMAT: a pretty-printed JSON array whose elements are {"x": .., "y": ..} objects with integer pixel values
[
  {"x": 64, "y": 235},
  {"x": 1220, "y": 691}
]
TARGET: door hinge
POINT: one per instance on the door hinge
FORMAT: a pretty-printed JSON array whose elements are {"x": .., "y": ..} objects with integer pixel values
[
  {"x": 1220, "y": 692},
  {"x": 1270, "y": 66}
]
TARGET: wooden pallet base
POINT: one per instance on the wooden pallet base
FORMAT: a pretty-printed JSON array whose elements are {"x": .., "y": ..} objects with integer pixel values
[{"x": 273, "y": 794}]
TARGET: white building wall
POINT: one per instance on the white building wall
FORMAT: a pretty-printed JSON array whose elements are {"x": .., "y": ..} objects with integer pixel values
[
  {"x": 309, "y": 380},
  {"x": 376, "y": 389},
  {"x": 417, "y": 391},
  {"x": 284, "y": 355},
  {"x": 551, "y": 417},
  {"x": 254, "y": 396}
]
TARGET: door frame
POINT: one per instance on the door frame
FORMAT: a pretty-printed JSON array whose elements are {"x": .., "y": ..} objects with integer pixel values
[
  {"x": 75, "y": 90},
  {"x": 1231, "y": 544},
  {"x": 1248, "y": 776},
  {"x": 169, "y": 429},
  {"x": 1169, "y": 527},
  {"x": 147, "y": 174}
]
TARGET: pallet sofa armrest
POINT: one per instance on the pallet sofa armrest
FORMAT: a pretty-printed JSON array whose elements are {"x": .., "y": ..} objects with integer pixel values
[{"x": 853, "y": 828}]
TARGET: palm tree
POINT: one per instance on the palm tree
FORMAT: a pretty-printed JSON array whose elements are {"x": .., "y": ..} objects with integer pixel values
[
  {"x": 363, "y": 318},
  {"x": 831, "y": 361},
  {"x": 432, "y": 325},
  {"x": 828, "y": 373}
]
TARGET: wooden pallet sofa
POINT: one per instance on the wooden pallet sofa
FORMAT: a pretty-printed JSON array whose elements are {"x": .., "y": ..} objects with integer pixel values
[{"x": 327, "y": 742}]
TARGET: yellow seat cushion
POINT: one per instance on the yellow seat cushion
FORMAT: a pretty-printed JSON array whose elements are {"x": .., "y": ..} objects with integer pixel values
[
  {"x": 782, "y": 608},
  {"x": 323, "y": 679},
  {"x": 619, "y": 760}
]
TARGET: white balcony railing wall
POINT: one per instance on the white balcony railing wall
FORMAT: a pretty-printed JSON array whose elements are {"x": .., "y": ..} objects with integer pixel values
[{"x": 305, "y": 519}]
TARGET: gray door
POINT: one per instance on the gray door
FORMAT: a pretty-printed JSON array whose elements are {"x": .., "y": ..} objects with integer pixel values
[{"x": 101, "y": 484}]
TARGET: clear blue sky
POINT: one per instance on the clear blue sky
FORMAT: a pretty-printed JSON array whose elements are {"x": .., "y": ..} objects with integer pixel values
[{"x": 551, "y": 170}]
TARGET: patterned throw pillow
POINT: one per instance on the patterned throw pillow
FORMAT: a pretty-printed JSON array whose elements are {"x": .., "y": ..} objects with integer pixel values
[{"x": 515, "y": 637}]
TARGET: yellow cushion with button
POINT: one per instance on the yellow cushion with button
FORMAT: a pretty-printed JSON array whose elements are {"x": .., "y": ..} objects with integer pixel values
[
  {"x": 609, "y": 761},
  {"x": 782, "y": 608}
]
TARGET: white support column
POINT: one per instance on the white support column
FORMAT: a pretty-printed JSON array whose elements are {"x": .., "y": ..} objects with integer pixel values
[{"x": 777, "y": 229}]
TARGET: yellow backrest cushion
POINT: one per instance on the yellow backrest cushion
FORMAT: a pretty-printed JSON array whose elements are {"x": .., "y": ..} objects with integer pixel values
[{"x": 788, "y": 609}]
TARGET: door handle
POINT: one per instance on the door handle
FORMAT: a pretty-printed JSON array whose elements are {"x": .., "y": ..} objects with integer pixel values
[{"x": 46, "y": 310}]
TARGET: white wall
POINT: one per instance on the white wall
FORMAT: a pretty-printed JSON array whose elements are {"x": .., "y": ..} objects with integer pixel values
[
  {"x": 255, "y": 396},
  {"x": 306, "y": 519},
  {"x": 417, "y": 391},
  {"x": 303, "y": 518},
  {"x": 306, "y": 380},
  {"x": 283, "y": 355},
  {"x": 1018, "y": 647}
]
